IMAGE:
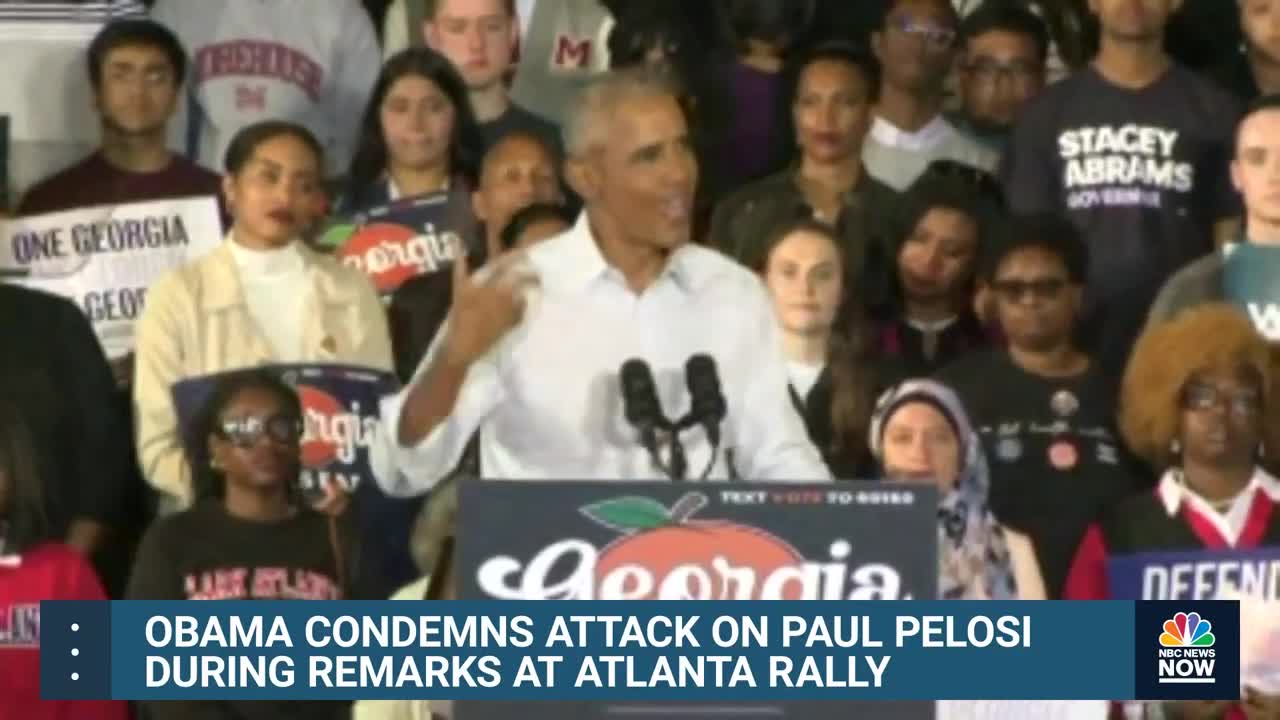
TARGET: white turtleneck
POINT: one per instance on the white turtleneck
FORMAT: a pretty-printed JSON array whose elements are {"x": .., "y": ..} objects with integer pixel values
[{"x": 276, "y": 290}]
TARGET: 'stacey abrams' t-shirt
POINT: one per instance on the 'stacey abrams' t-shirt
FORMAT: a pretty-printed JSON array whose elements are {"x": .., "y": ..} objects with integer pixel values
[
  {"x": 1055, "y": 459},
  {"x": 1143, "y": 173}
]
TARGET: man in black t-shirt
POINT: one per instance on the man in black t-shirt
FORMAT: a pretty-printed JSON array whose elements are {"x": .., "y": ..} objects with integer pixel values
[
  {"x": 1135, "y": 150},
  {"x": 1044, "y": 409}
]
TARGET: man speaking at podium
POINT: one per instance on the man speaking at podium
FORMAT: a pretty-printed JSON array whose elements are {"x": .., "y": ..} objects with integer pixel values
[{"x": 570, "y": 358}]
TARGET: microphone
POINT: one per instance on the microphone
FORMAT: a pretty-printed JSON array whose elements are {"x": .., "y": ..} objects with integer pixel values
[
  {"x": 706, "y": 402},
  {"x": 641, "y": 407},
  {"x": 707, "y": 405}
]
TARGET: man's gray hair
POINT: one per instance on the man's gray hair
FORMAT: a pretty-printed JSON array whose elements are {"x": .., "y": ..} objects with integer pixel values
[{"x": 586, "y": 123}]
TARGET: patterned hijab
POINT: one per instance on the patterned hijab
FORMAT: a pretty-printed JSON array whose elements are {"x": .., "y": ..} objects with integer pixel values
[{"x": 972, "y": 555}]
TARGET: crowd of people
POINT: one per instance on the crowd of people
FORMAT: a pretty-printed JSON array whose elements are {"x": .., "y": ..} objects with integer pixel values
[{"x": 977, "y": 244}]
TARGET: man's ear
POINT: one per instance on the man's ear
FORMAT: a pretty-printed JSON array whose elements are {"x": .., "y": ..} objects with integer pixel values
[
  {"x": 478, "y": 207},
  {"x": 583, "y": 177},
  {"x": 430, "y": 34}
]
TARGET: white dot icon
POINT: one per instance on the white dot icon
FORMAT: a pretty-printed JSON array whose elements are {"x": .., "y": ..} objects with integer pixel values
[
  {"x": 75, "y": 627},
  {"x": 75, "y": 652},
  {"x": 75, "y": 676}
]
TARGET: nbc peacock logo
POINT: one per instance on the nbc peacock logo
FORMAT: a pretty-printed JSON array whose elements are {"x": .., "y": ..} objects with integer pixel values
[
  {"x": 1187, "y": 631},
  {"x": 1186, "y": 650}
]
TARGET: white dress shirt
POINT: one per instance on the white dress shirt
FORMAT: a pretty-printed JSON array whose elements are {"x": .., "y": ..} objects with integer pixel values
[
  {"x": 1230, "y": 521},
  {"x": 546, "y": 399}
]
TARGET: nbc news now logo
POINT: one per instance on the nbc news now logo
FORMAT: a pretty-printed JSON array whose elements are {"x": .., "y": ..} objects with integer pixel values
[{"x": 1186, "y": 650}]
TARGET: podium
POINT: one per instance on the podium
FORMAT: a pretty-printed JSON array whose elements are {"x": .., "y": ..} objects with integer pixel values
[{"x": 562, "y": 540}]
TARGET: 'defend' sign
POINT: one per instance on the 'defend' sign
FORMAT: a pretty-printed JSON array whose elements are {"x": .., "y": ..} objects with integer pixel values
[{"x": 1196, "y": 574}]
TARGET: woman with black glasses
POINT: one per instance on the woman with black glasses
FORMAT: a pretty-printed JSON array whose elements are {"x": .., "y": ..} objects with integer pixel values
[
  {"x": 1047, "y": 424},
  {"x": 249, "y": 536}
]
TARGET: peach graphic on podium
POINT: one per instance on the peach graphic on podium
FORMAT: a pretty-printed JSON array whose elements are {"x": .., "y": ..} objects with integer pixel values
[{"x": 667, "y": 554}]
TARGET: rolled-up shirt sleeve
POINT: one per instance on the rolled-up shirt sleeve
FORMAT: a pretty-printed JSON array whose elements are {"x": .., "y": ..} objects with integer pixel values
[
  {"x": 406, "y": 471},
  {"x": 769, "y": 440}
]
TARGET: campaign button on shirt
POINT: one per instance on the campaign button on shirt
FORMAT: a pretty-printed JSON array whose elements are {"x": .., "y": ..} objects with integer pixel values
[
  {"x": 1053, "y": 451},
  {"x": 1063, "y": 455},
  {"x": 1009, "y": 449},
  {"x": 1065, "y": 403}
]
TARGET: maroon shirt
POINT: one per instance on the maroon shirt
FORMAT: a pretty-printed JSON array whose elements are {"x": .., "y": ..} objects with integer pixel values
[{"x": 94, "y": 181}]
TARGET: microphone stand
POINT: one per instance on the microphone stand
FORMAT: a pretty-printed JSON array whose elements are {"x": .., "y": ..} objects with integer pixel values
[
  {"x": 679, "y": 461},
  {"x": 688, "y": 422},
  {"x": 679, "y": 467}
]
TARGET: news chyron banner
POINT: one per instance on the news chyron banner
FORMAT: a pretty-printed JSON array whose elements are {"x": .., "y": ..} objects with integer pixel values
[
  {"x": 663, "y": 600},
  {"x": 669, "y": 659},
  {"x": 105, "y": 258},
  {"x": 1250, "y": 577},
  {"x": 339, "y": 410},
  {"x": 405, "y": 239}
]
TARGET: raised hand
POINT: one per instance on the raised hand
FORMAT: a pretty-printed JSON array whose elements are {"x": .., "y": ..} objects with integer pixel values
[{"x": 484, "y": 311}]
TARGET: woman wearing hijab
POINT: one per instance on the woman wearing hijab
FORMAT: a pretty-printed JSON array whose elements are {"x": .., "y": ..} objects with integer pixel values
[
  {"x": 1195, "y": 405},
  {"x": 920, "y": 434}
]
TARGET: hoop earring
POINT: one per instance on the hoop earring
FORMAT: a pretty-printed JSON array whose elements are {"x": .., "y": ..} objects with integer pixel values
[{"x": 1176, "y": 446}]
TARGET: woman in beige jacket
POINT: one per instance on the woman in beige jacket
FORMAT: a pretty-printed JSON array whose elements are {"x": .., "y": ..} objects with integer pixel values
[{"x": 261, "y": 298}]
